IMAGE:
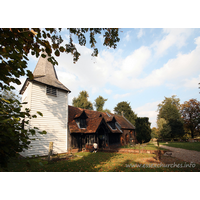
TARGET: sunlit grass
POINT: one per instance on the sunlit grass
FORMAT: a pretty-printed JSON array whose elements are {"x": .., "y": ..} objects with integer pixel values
[
  {"x": 145, "y": 146},
  {"x": 184, "y": 145},
  {"x": 96, "y": 162}
]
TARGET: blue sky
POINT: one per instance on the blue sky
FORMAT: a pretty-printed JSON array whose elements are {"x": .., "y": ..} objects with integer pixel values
[{"x": 147, "y": 65}]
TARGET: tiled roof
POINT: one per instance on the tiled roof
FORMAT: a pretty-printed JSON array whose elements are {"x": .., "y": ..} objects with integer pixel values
[
  {"x": 45, "y": 73},
  {"x": 94, "y": 119}
]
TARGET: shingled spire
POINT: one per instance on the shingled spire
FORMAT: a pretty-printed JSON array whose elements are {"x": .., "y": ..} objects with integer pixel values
[
  {"x": 45, "y": 73},
  {"x": 44, "y": 68}
]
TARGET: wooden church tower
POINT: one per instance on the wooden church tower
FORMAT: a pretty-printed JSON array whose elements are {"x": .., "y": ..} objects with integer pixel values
[{"x": 45, "y": 93}]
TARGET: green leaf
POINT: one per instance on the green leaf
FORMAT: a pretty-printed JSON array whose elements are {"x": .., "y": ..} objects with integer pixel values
[
  {"x": 5, "y": 100},
  {"x": 39, "y": 113},
  {"x": 43, "y": 55},
  {"x": 17, "y": 81},
  {"x": 62, "y": 49},
  {"x": 30, "y": 75},
  {"x": 57, "y": 52}
]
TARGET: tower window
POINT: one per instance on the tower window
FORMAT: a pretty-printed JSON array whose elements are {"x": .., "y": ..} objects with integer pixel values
[{"x": 51, "y": 90}]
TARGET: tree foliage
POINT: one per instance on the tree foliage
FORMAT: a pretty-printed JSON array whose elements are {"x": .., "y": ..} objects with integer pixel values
[
  {"x": 13, "y": 136},
  {"x": 164, "y": 128},
  {"x": 17, "y": 43},
  {"x": 143, "y": 130},
  {"x": 190, "y": 111},
  {"x": 169, "y": 110},
  {"x": 106, "y": 110},
  {"x": 82, "y": 101},
  {"x": 127, "y": 111},
  {"x": 99, "y": 103},
  {"x": 154, "y": 132}
]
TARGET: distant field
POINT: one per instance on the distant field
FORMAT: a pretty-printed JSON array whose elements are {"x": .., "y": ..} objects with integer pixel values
[{"x": 184, "y": 145}]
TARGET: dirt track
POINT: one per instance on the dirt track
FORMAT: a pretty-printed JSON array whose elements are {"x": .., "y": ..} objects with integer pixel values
[{"x": 183, "y": 154}]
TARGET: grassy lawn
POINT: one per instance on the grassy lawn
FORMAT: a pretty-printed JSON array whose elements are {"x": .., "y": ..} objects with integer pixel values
[
  {"x": 145, "y": 146},
  {"x": 103, "y": 162},
  {"x": 184, "y": 145}
]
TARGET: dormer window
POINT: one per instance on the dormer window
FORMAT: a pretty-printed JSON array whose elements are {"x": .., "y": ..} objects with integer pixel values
[
  {"x": 81, "y": 120},
  {"x": 112, "y": 123},
  {"x": 51, "y": 90},
  {"x": 118, "y": 125},
  {"x": 82, "y": 123}
]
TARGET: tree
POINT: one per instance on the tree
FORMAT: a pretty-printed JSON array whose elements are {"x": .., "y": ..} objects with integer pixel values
[
  {"x": 169, "y": 110},
  {"x": 82, "y": 101},
  {"x": 17, "y": 43},
  {"x": 154, "y": 133},
  {"x": 13, "y": 137},
  {"x": 164, "y": 129},
  {"x": 106, "y": 110},
  {"x": 190, "y": 111},
  {"x": 143, "y": 130},
  {"x": 99, "y": 103},
  {"x": 15, "y": 46},
  {"x": 127, "y": 111}
]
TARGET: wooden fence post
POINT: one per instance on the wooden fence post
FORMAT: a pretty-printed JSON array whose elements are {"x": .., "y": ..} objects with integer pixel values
[{"x": 50, "y": 151}]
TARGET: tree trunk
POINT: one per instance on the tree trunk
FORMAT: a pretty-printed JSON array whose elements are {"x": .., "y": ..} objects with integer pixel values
[{"x": 192, "y": 133}]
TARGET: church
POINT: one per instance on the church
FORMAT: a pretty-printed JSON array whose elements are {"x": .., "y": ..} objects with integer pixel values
[{"x": 68, "y": 127}]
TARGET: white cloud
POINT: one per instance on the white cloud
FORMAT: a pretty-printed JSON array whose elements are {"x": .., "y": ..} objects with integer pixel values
[
  {"x": 175, "y": 71},
  {"x": 108, "y": 91},
  {"x": 89, "y": 73},
  {"x": 175, "y": 37},
  {"x": 148, "y": 110},
  {"x": 127, "y": 37},
  {"x": 131, "y": 67},
  {"x": 192, "y": 83},
  {"x": 174, "y": 74},
  {"x": 140, "y": 33}
]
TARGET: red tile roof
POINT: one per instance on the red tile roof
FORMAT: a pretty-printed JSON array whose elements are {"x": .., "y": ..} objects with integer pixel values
[{"x": 94, "y": 119}]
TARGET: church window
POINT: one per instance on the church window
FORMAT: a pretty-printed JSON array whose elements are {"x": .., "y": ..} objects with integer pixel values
[{"x": 51, "y": 90}]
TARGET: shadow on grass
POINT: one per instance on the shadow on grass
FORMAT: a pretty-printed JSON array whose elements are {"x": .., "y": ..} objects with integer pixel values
[
  {"x": 85, "y": 161},
  {"x": 103, "y": 162},
  {"x": 150, "y": 164}
]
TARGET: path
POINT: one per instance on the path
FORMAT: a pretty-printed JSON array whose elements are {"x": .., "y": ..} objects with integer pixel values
[{"x": 184, "y": 154}]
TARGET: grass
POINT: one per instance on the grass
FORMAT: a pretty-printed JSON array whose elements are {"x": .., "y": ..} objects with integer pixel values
[
  {"x": 102, "y": 162},
  {"x": 145, "y": 146},
  {"x": 184, "y": 145}
]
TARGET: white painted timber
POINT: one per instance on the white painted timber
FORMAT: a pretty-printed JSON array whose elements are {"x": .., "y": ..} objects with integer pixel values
[{"x": 54, "y": 120}]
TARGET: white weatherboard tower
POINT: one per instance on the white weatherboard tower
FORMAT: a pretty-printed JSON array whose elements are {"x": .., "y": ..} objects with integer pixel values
[{"x": 45, "y": 93}]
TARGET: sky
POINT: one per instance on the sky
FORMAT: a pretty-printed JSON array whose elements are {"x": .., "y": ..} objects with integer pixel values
[{"x": 148, "y": 65}]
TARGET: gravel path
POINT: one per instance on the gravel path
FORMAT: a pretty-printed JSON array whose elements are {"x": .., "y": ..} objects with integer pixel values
[{"x": 184, "y": 154}]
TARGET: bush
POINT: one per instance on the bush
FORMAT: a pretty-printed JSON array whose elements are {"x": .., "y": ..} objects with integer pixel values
[{"x": 13, "y": 137}]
